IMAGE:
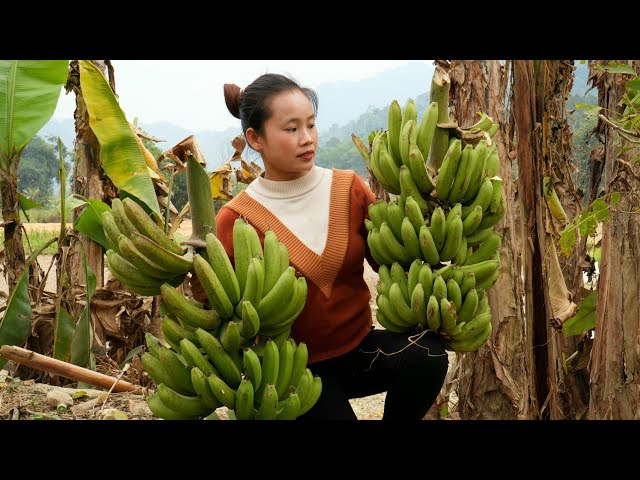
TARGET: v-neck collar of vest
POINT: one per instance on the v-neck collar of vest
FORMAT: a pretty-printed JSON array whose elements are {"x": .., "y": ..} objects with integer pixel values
[{"x": 320, "y": 269}]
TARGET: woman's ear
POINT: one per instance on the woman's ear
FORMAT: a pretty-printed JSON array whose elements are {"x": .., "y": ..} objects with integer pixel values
[{"x": 253, "y": 139}]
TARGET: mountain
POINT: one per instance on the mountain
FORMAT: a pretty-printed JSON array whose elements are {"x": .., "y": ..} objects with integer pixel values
[{"x": 341, "y": 102}]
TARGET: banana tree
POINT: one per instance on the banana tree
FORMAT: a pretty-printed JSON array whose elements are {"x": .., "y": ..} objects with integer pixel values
[
  {"x": 29, "y": 92},
  {"x": 499, "y": 387}
]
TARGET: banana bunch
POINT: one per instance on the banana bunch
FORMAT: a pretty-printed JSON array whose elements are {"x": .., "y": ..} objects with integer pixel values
[
  {"x": 444, "y": 218},
  {"x": 262, "y": 294},
  {"x": 142, "y": 256},
  {"x": 201, "y": 373},
  {"x": 464, "y": 235},
  {"x": 450, "y": 300}
]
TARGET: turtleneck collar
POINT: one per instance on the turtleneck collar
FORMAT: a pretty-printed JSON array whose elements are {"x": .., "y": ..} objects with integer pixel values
[{"x": 290, "y": 188}]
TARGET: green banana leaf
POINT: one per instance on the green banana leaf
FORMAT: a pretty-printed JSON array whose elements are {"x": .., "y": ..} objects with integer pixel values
[
  {"x": 89, "y": 222},
  {"x": 27, "y": 204},
  {"x": 64, "y": 334},
  {"x": 120, "y": 154},
  {"x": 15, "y": 325},
  {"x": 81, "y": 344},
  {"x": 585, "y": 317},
  {"x": 29, "y": 92}
]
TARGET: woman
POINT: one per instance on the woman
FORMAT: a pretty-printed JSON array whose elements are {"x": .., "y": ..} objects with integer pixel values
[{"x": 319, "y": 214}]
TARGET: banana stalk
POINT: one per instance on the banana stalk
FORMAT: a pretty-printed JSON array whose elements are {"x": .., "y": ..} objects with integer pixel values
[
  {"x": 440, "y": 94},
  {"x": 203, "y": 214}
]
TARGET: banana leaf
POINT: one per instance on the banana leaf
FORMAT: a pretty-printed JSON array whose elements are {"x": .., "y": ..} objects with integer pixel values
[
  {"x": 27, "y": 204},
  {"x": 121, "y": 156},
  {"x": 29, "y": 92},
  {"x": 585, "y": 317},
  {"x": 89, "y": 222},
  {"x": 15, "y": 325},
  {"x": 81, "y": 343}
]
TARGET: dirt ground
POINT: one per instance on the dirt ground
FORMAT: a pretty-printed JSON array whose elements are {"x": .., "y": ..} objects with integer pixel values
[{"x": 27, "y": 400}]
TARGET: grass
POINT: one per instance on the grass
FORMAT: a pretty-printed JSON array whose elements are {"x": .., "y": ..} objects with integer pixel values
[{"x": 37, "y": 238}]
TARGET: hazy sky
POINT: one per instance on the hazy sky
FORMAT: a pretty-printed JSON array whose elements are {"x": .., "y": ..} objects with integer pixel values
[{"x": 188, "y": 93}]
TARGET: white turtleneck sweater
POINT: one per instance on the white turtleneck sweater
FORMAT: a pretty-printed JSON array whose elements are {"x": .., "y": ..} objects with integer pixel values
[{"x": 302, "y": 205}]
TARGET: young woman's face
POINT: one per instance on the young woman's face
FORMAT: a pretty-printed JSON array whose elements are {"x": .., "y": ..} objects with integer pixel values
[{"x": 289, "y": 139}]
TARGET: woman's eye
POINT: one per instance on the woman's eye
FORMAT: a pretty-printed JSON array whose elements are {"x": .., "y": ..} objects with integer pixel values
[
  {"x": 312, "y": 126},
  {"x": 292, "y": 129}
]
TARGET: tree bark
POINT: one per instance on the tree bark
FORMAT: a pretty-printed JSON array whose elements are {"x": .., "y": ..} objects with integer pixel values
[
  {"x": 13, "y": 248},
  {"x": 569, "y": 390},
  {"x": 91, "y": 182},
  {"x": 615, "y": 357},
  {"x": 528, "y": 111},
  {"x": 493, "y": 382}
]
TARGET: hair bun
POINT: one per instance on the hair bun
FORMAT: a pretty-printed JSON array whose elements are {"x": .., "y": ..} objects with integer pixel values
[{"x": 232, "y": 97}]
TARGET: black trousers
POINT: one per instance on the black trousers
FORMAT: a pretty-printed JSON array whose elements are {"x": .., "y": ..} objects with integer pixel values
[{"x": 412, "y": 374}]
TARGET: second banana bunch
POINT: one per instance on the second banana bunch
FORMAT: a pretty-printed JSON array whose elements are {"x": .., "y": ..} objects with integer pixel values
[
  {"x": 437, "y": 232},
  {"x": 233, "y": 352}
]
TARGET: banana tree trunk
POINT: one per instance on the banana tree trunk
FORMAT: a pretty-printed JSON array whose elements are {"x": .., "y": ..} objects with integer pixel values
[
  {"x": 615, "y": 358},
  {"x": 569, "y": 388},
  {"x": 13, "y": 248},
  {"x": 90, "y": 181},
  {"x": 493, "y": 382},
  {"x": 528, "y": 110}
]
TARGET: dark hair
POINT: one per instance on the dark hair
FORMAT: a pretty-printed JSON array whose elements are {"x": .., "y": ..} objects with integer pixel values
[{"x": 252, "y": 105}]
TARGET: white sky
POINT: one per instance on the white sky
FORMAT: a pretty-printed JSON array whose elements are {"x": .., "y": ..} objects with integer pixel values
[{"x": 188, "y": 93}]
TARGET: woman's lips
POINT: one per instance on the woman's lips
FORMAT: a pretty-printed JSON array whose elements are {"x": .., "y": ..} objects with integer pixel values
[{"x": 307, "y": 155}]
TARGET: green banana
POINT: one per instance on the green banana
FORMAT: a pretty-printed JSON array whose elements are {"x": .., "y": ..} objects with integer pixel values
[
  {"x": 398, "y": 251},
  {"x": 131, "y": 254},
  {"x": 300, "y": 359},
  {"x": 378, "y": 249},
  {"x": 191, "y": 406},
  {"x": 156, "y": 371},
  {"x": 277, "y": 296},
  {"x": 389, "y": 169},
  {"x": 456, "y": 193},
  {"x": 469, "y": 306},
  {"x": 454, "y": 294},
  {"x": 408, "y": 137},
  {"x": 241, "y": 253},
  {"x": 492, "y": 218},
  {"x": 419, "y": 306},
  {"x": 445, "y": 272},
  {"x": 289, "y": 408},
  {"x": 213, "y": 287},
  {"x": 179, "y": 375},
  {"x": 362, "y": 149},
  {"x": 496, "y": 198},
  {"x": 471, "y": 223},
  {"x": 486, "y": 251},
  {"x": 231, "y": 341},
  {"x": 410, "y": 239},
  {"x": 474, "y": 327},
  {"x": 221, "y": 265},
  {"x": 395, "y": 216},
  {"x": 487, "y": 283},
  {"x": 194, "y": 358},
  {"x": 187, "y": 312},
  {"x": 427, "y": 129},
  {"x": 378, "y": 212},
  {"x": 404, "y": 312},
  {"x": 387, "y": 324},
  {"x": 479, "y": 236},
  {"x": 408, "y": 188},
  {"x": 493, "y": 163},
  {"x": 399, "y": 276},
  {"x": 270, "y": 367},
  {"x": 176, "y": 332},
  {"x": 254, "y": 241},
  {"x": 428, "y": 246},
  {"x": 313, "y": 396},
  {"x": 462, "y": 251},
  {"x": 434, "y": 319},
  {"x": 439, "y": 287},
  {"x": 448, "y": 170},
  {"x": 147, "y": 227},
  {"x": 394, "y": 125},
  {"x": 449, "y": 316},
  {"x": 271, "y": 261},
  {"x": 483, "y": 199},
  {"x": 468, "y": 283},
  {"x": 284, "y": 257},
  {"x": 244, "y": 401},
  {"x": 419, "y": 172},
  {"x": 474, "y": 343},
  {"x": 410, "y": 113},
  {"x": 477, "y": 172},
  {"x": 203, "y": 390},
  {"x": 252, "y": 367},
  {"x": 426, "y": 280},
  {"x": 268, "y": 403},
  {"x": 120, "y": 217},
  {"x": 413, "y": 277},
  {"x": 482, "y": 270},
  {"x": 412, "y": 211},
  {"x": 452, "y": 242},
  {"x": 160, "y": 410},
  {"x": 161, "y": 256},
  {"x": 110, "y": 230},
  {"x": 254, "y": 287},
  {"x": 219, "y": 357},
  {"x": 375, "y": 166},
  {"x": 438, "y": 227},
  {"x": 285, "y": 367},
  {"x": 493, "y": 130},
  {"x": 250, "y": 324},
  {"x": 222, "y": 391}
]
